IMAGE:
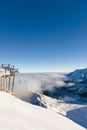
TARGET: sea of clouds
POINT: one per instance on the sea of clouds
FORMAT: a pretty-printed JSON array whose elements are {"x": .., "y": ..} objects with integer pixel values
[{"x": 26, "y": 84}]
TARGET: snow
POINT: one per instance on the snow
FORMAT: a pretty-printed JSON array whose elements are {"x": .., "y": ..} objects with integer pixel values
[
  {"x": 16, "y": 114},
  {"x": 78, "y": 75},
  {"x": 30, "y": 87},
  {"x": 79, "y": 78},
  {"x": 67, "y": 106},
  {"x": 81, "y": 114}
]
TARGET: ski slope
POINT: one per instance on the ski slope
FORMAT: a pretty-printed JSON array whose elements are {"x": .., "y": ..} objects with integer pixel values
[{"x": 18, "y": 115}]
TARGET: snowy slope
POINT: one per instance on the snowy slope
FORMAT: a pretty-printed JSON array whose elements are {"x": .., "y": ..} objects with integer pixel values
[
  {"x": 72, "y": 107},
  {"x": 41, "y": 88},
  {"x": 78, "y": 75},
  {"x": 79, "y": 79},
  {"x": 18, "y": 115}
]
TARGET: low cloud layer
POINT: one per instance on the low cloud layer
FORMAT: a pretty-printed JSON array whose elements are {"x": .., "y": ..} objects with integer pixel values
[{"x": 26, "y": 84}]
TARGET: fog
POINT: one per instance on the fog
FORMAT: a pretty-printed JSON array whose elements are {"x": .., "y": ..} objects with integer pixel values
[{"x": 26, "y": 84}]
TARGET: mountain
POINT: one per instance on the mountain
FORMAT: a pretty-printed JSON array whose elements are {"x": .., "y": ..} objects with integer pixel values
[
  {"x": 79, "y": 76},
  {"x": 16, "y": 114},
  {"x": 79, "y": 80}
]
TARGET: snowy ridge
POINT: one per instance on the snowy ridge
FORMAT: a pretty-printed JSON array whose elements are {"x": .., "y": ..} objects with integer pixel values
[
  {"x": 79, "y": 79},
  {"x": 78, "y": 75},
  {"x": 18, "y": 115}
]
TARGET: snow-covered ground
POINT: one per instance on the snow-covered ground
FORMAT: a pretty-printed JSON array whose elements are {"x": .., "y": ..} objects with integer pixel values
[
  {"x": 40, "y": 89},
  {"x": 16, "y": 114}
]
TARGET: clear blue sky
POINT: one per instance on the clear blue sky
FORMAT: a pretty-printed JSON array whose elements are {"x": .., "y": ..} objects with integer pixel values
[{"x": 44, "y": 35}]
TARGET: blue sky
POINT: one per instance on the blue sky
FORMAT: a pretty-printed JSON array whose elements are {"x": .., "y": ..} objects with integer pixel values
[{"x": 44, "y": 35}]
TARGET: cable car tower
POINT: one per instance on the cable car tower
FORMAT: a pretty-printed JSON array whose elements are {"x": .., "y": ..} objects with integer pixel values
[{"x": 7, "y": 77}]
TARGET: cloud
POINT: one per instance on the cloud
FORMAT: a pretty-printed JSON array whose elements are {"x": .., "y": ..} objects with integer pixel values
[{"x": 26, "y": 84}]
